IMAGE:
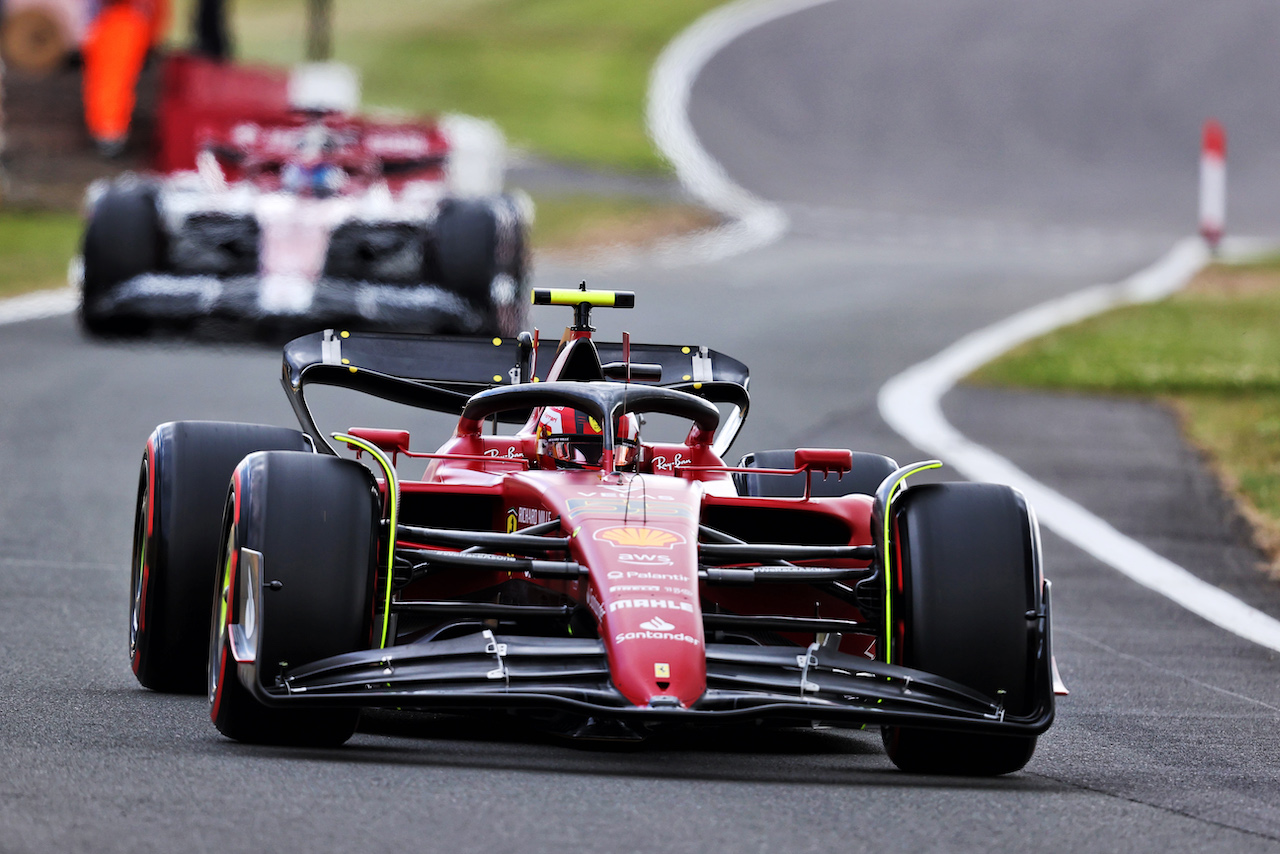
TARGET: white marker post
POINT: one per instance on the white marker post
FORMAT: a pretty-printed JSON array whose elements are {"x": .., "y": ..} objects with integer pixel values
[{"x": 1213, "y": 184}]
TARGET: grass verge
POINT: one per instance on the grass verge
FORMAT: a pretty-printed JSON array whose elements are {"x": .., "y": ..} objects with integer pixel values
[
  {"x": 35, "y": 249},
  {"x": 573, "y": 225},
  {"x": 565, "y": 78},
  {"x": 1212, "y": 351}
]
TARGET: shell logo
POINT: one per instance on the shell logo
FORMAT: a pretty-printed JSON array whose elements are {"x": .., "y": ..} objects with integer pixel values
[{"x": 644, "y": 538}]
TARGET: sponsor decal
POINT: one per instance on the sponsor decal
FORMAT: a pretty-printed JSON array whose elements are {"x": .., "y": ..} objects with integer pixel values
[
  {"x": 396, "y": 143},
  {"x": 594, "y": 604},
  {"x": 661, "y": 464},
  {"x": 664, "y": 604},
  {"x": 649, "y": 634},
  {"x": 525, "y": 516},
  {"x": 646, "y": 560},
  {"x": 609, "y": 506},
  {"x": 657, "y": 624},
  {"x": 511, "y": 454},
  {"x": 651, "y": 576},
  {"x": 635, "y": 588},
  {"x": 644, "y": 538},
  {"x": 661, "y": 670}
]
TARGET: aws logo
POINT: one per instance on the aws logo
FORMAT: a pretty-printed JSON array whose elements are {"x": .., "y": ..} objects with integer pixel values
[
  {"x": 643, "y": 538},
  {"x": 645, "y": 560}
]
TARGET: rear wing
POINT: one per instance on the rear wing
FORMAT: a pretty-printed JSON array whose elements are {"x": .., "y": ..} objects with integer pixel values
[{"x": 441, "y": 372}]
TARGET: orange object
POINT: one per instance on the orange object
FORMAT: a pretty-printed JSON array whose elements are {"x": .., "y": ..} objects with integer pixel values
[{"x": 114, "y": 50}]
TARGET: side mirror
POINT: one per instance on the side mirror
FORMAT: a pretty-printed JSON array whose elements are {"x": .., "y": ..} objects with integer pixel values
[
  {"x": 825, "y": 460},
  {"x": 393, "y": 442}
]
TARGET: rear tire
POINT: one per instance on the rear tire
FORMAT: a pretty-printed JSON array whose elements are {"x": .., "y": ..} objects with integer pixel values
[
  {"x": 315, "y": 519},
  {"x": 969, "y": 575},
  {"x": 863, "y": 479},
  {"x": 182, "y": 487},
  {"x": 121, "y": 241}
]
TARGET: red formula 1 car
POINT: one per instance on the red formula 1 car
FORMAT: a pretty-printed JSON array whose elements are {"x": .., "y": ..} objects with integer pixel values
[
  {"x": 287, "y": 215},
  {"x": 575, "y": 570}
]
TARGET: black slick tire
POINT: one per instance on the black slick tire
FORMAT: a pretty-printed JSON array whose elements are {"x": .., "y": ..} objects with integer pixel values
[
  {"x": 315, "y": 520},
  {"x": 122, "y": 240},
  {"x": 969, "y": 575},
  {"x": 462, "y": 255},
  {"x": 182, "y": 486},
  {"x": 477, "y": 249}
]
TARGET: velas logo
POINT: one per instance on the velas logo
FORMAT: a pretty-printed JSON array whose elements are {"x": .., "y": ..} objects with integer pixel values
[
  {"x": 643, "y": 538},
  {"x": 657, "y": 624}
]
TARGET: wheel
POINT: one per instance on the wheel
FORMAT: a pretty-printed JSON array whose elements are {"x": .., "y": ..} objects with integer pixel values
[
  {"x": 477, "y": 249},
  {"x": 121, "y": 241},
  {"x": 867, "y": 473},
  {"x": 315, "y": 520},
  {"x": 969, "y": 575},
  {"x": 181, "y": 490}
]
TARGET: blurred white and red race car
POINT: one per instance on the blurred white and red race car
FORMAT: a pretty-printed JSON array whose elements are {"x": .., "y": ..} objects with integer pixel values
[{"x": 274, "y": 210}]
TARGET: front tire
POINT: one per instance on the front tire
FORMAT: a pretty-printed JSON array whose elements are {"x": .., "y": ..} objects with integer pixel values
[
  {"x": 122, "y": 240},
  {"x": 970, "y": 574},
  {"x": 182, "y": 486},
  {"x": 478, "y": 249},
  {"x": 315, "y": 520}
]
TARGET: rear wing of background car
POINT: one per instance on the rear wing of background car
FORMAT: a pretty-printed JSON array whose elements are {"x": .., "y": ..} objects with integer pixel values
[{"x": 441, "y": 372}]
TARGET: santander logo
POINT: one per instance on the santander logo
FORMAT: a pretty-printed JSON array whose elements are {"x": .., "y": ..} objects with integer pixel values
[{"x": 657, "y": 624}]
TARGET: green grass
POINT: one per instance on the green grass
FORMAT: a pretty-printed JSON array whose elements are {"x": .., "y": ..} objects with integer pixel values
[
  {"x": 576, "y": 223},
  {"x": 1189, "y": 343},
  {"x": 35, "y": 249},
  {"x": 564, "y": 78},
  {"x": 1242, "y": 432},
  {"x": 1212, "y": 351}
]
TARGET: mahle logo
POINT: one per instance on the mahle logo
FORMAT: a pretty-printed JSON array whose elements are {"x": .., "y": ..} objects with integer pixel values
[{"x": 642, "y": 538}]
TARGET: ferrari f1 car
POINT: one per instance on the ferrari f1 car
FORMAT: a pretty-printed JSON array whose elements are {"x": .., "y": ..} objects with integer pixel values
[
  {"x": 572, "y": 570},
  {"x": 312, "y": 217}
]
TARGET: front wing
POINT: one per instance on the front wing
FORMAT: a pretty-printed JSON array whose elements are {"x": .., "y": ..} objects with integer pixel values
[
  {"x": 744, "y": 682},
  {"x": 252, "y": 300}
]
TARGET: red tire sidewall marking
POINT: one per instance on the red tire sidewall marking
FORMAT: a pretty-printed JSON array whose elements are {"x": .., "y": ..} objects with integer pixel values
[{"x": 229, "y": 586}]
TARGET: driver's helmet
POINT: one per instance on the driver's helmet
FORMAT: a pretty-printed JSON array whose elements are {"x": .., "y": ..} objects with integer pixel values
[
  {"x": 311, "y": 171},
  {"x": 571, "y": 439}
]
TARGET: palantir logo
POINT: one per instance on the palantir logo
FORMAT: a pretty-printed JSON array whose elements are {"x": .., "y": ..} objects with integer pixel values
[{"x": 657, "y": 624}]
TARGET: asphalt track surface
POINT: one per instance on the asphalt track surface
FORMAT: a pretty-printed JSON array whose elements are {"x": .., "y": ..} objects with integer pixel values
[{"x": 943, "y": 165}]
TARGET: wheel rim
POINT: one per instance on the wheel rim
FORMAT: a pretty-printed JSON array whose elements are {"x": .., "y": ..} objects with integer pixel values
[{"x": 218, "y": 624}]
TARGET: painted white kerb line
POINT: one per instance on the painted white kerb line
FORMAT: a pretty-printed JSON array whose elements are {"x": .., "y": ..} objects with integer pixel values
[
  {"x": 755, "y": 222},
  {"x": 910, "y": 403},
  {"x": 40, "y": 304}
]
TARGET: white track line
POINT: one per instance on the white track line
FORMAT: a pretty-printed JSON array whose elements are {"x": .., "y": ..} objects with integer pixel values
[
  {"x": 910, "y": 403},
  {"x": 36, "y": 305},
  {"x": 754, "y": 222}
]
